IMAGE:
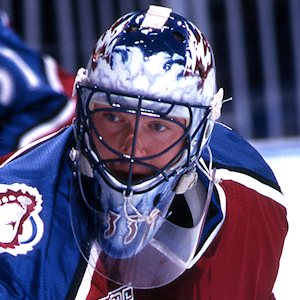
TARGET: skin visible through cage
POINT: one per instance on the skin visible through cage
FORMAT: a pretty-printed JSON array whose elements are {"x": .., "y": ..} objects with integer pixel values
[{"x": 154, "y": 135}]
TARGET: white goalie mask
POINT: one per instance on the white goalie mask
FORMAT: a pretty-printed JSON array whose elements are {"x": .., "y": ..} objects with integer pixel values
[{"x": 145, "y": 108}]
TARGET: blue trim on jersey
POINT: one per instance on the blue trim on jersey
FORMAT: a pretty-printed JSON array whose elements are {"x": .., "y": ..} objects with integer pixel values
[
  {"x": 232, "y": 152},
  {"x": 215, "y": 214}
]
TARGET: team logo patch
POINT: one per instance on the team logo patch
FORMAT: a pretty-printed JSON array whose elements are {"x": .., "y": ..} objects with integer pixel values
[
  {"x": 21, "y": 227},
  {"x": 123, "y": 293}
]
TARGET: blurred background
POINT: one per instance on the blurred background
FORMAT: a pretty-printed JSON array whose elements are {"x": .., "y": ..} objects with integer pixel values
[
  {"x": 257, "y": 51},
  {"x": 256, "y": 45}
]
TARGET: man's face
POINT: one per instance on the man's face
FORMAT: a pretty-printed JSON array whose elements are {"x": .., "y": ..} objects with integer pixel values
[{"x": 154, "y": 135}]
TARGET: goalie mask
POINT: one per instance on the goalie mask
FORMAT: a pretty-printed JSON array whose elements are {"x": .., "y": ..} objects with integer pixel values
[{"x": 143, "y": 116}]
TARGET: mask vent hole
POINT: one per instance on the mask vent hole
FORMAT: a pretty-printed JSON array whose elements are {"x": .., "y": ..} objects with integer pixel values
[
  {"x": 132, "y": 29},
  {"x": 178, "y": 36},
  {"x": 201, "y": 72},
  {"x": 156, "y": 200}
]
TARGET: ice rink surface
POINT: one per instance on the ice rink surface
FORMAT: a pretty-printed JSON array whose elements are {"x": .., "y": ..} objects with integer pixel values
[{"x": 284, "y": 158}]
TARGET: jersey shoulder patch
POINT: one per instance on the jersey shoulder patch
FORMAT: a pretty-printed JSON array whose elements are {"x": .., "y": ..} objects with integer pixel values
[{"x": 21, "y": 227}]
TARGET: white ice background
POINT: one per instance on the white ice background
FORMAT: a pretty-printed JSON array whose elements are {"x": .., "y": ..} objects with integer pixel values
[{"x": 283, "y": 156}]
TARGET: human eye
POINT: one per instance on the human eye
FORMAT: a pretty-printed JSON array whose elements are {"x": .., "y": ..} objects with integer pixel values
[
  {"x": 112, "y": 117},
  {"x": 159, "y": 127}
]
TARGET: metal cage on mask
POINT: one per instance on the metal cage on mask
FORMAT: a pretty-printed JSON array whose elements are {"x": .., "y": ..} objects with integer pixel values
[{"x": 139, "y": 107}]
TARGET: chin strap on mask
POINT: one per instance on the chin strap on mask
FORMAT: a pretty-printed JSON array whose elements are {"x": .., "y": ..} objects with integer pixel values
[{"x": 207, "y": 169}]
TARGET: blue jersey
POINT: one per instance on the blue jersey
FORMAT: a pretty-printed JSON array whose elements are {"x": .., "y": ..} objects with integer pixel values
[
  {"x": 34, "y": 93},
  {"x": 39, "y": 258}
]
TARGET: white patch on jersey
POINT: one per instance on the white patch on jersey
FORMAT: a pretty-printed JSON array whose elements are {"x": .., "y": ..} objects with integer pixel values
[
  {"x": 30, "y": 77},
  {"x": 86, "y": 282},
  {"x": 7, "y": 87},
  {"x": 253, "y": 184},
  {"x": 21, "y": 227},
  {"x": 51, "y": 70},
  {"x": 123, "y": 293}
]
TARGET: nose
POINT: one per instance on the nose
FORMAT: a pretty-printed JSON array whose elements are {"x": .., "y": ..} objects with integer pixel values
[{"x": 127, "y": 145}]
